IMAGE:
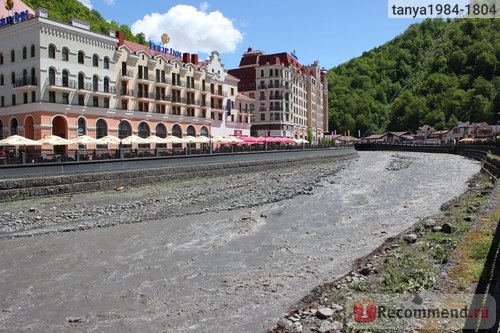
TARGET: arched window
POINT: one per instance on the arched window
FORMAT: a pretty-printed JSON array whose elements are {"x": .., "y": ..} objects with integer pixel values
[
  {"x": 52, "y": 77},
  {"x": 143, "y": 130},
  {"x": 191, "y": 131},
  {"x": 32, "y": 50},
  {"x": 12, "y": 56},
  {"x": 65, "y": 78},
  {"x": 1, "y": 130},
  {"x": 106, "y": 63},
  {"x": 161, "y": 131},
  {"x": 204, "y": 131},
  {"x": 177, "y": 131},
  {"x": 13, "y": 77},
  {"x": 25, "y": 77},
  {"x": 82, "y": 126},
  {"x": 81, "y": 81},
  {"x": 95, "y": 83},
  {"x": 52, "y": 51},
  {"x": 106, "y": 84},
  {"x": 33, "y": 76},
  {"x": 25, "y": 52},
  {"x": 13, "y": 126},
  {"x": 81, "y": 57},
  {"x": 124, "y": 129},
  {"x": 65, "y": 54},
  {"x": 95, "y": 60},
  {"x": 101, "y": 129}
]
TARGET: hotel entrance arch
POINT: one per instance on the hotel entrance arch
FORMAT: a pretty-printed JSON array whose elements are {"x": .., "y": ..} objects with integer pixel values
[{"x": 29, "y": 128}]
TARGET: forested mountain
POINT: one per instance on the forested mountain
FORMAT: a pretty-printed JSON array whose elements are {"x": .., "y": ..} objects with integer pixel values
[
  {"x": 436, "y": 72},
  {"x": 65, "y": 10}
]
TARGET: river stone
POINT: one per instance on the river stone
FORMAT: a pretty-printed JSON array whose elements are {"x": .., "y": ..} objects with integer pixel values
[
  {"x": 429, "y": 223},
  {"x": 447, "y": 228},
  {"x": 324, "y": 313},
  {"x": 410, "y": 238}
]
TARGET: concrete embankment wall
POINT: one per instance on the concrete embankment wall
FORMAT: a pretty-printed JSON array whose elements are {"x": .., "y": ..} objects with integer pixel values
[
  {"x": 491, "y": 162},
  {"x": 39, "y": 180}
]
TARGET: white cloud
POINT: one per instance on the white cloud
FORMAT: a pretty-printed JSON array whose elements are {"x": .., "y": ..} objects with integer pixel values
[
  {"x": 191, "y": 30},
  {"x": 86, "y": 3},
  {"x": 109, "y": 2}
]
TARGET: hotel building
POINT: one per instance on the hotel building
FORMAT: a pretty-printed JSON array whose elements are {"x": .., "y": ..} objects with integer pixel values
[
  {"x": 289, "y": 99},
  {"x": 66, "y": 80}
]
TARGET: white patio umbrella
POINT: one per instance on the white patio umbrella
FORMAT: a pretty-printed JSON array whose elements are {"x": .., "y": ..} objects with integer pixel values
[
  {"x": 55, "y": 140},
  {"x": 190, "y": 139},
  {"x": 17, "y": 141},
  {"x": 203, "y": 139},
  {"x": 85, "y": 140},
  {"x": 173, "y": 139},
  {"x": 134, "y": 139},
  {"x": 156, "y": 139},
  {"x": 109, "y": 139}
]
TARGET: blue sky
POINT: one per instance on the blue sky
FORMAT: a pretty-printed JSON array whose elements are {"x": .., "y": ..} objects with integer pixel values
[{"x": 331, "y": 31}]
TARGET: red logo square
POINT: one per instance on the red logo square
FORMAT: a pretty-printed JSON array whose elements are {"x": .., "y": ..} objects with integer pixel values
[{"x": 365, "y": 311}]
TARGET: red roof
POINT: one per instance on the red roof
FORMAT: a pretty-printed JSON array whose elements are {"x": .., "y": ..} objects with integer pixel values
[{"x": 136, "y": 47}]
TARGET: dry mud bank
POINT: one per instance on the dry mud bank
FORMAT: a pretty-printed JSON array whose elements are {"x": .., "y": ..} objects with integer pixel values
[{"x": 224, "y": 254}]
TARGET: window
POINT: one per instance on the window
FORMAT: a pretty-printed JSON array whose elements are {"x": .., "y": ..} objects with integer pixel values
[
  {"x": 95, "y": 101},
  {"x": 81, "y": 57},
  {"x": 2, "y": 80},
  {"x": 52, "y": 51},
  {"x": 33, "y": 96},
  {"x": 25, "y": 98},
  {"x": 95, "y": 60},
  {"x": 13, "y": 126},
  {"x": 14, "y": 99},
  {"x": 95, "y": 83},
  {"x": 25, "y": 52},
  {"x": 33, "y": 76},
  {"x": 52, "y": 96},
  {"x": 106, "y": 63},
  {"x": 204, "y": 131},
  {"x": 176, "y": 131},
  {"x": 65, "y": 78},
  {"x": 13, "y": 77},
  {"x": 65, "y": 98},
  {"x": 262, "y": 116},
  {"x": 124, "y": 129},
  {"x": 143, "y": 130},
  {"x": 101, "y": 129},
  {"x": 2, "y": 101},
  {"x": 81, "y": 99},
  {"x": 1, "y": 130},
  {"x": 82, "y": 126},
  {"x": 32, "y": 50},
  {"x": 106, "y": 84},
  {"x": 81, "y": 81},
  {"x": 124, "y": 105},
  {"x": 65, "y": 54},
  {"x": 106, "y": 102},
  {"x": 161, "y": 131},
  {"x": 12, "y": 56},
  {"x": 52, "y": 76}
]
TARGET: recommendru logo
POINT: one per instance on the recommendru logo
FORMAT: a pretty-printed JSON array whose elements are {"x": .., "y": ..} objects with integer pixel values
[{"x": 434, "y": 311}]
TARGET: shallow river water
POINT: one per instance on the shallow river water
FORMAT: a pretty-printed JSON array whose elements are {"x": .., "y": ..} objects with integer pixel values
[{"x": 227, "y": 271}]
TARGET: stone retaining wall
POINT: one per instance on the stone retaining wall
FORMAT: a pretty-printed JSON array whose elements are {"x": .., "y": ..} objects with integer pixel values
[{"x": 52, "y": 185}]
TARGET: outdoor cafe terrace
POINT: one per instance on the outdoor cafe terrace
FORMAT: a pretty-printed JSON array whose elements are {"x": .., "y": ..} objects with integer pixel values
[{"x": 20, "y": 150}]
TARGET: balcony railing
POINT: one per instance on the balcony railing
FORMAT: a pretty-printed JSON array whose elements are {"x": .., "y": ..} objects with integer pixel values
[
  {"x": 162, "y": 79},
  {"x": 127, "y": 92},
  {"x": 85, "y": 86},
  {"x": 57, "y": 82},
  {"x": 129, "y": 73},
  {"x": 149, "y": 77},
  {"x": 26, "y": 81},
  {"x": 145, "y": 95},
  {"x": 104, "y": 89}
]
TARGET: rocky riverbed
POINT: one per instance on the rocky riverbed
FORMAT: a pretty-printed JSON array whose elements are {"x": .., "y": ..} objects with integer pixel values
[{"x": 221, "y": 254}]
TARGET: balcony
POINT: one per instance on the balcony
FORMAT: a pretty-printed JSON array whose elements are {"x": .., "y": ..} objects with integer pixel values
[
  {"x": 61, "y": 84},
  {"x": 162, "y": 98},
  {"x": 26, "y": 81},
  {"x": 85, "y": 86},
  {"x": 195, "y": 86},
  {"x": 276, "y": 97},
  {"x": 146, "y": 78},
  {"x": 128, "y": 74},
  {"x": 162, "y": 81},
  {"x": 145, "y": 95},
  {"x": 104, "y": 89},
  {"x": 127, "y": 93}
]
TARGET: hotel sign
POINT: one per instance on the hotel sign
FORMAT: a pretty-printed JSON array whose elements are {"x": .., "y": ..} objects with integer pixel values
[
  {"x": 14, "y": 18},
  {"x": 163, "y": 48}
]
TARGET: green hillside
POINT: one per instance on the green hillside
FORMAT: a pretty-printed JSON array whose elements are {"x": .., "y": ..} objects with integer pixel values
[
  {"x": 435, "y": 73},
  {"x": 65, "y": 10}
]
